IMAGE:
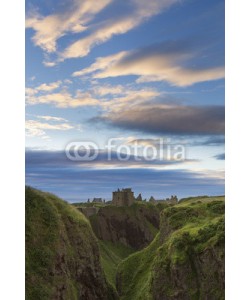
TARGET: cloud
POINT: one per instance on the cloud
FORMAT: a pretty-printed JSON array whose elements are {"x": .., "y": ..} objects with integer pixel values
[
  {"x": 45, "y": 94},
  {"x": 220, "y": 156},
  {"x": 49, "y": 87},
  {"x": 44, "y": 87},
  {"x": 115, "y": 25},
  {"x": 64, "y": 99},
  {"x": 78, "y": 19},
  {"x": 210, "y": 141},
  {"x": 101, "y": 63},
  {"x": 32, "y": 131},
  {"x": 48, "y": 29},
  {"x": 151, "y": 142},
  {"x": 50, "y": 118},
  {"x": 171, "y": 119},
  {"x": 108, "y": 89},
  {"x": 40, "y": 125},
  {"x": 36, "y": 128},
  {"x": 30, "y": 91},
  {"x": 130, "y": 98},
  {"x": 168, "y": 61},
  {"x": 106, "y": 96},
  {"x": 104, "y": 160},
  {"x": 50, "y": 171}
]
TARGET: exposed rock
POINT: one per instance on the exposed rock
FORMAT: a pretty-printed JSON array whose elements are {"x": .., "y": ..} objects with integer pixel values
[{"x": 134, "y": 226}]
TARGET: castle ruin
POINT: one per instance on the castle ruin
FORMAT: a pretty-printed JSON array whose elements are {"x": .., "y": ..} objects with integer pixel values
[
  {"x": 173, "y": 199},
  {"x": 97, "y": 200},
  {"x": 124, "y": 197}
]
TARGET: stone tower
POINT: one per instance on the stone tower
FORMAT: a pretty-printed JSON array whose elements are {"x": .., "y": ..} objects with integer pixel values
[
  {"x": 173, "y": 200},
  {"x": 152, "y": 199},
  {"x": 139, "y": 198},
  {"x": 125, "y": 197}
]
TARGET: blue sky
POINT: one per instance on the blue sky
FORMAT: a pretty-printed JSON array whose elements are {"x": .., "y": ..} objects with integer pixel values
[{"x": 134, "y": 71}]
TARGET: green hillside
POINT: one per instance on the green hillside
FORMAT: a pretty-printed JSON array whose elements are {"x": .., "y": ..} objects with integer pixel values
[
  {"x": 185, "y": 260},
  {"x": 111, "y": 255},
  {"x": 62, "y": 253},
  {"x": 146, "y": 251}
]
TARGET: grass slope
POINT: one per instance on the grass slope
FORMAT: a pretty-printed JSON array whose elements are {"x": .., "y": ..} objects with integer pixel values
[
  {"x": 142, "y": 216},
  {"x": 111, "y": 255},
  {"x": 62, "y": 254},
  {"x": 169, "y": 268}
]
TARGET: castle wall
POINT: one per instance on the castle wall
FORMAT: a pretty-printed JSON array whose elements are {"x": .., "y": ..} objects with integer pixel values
[{"x": 123, "y": 198}]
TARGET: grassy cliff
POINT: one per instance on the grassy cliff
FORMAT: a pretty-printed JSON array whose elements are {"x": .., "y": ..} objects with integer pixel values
[
  {"x": 62, "y": 253},
  {"x": 133, "y": 226},
  {"x": 186, "y": 258},
  {"x": 142, "y": 252}
]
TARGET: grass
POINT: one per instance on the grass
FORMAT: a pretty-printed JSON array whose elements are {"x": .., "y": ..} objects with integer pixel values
[
  {"x": 60, "y": 247},
  {"x": 134, "y": 273},
  {"x": 111, "y": 255},
  {"x": 42, "y": 226},
  {"x": 188, "y": 230}
]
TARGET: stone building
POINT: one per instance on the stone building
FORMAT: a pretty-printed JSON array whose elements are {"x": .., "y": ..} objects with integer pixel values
[
  {"x": 124, "y": 197},
  {"x": 152, "y": 199},
  {"x": 139, "y": 198},
  {"x": 173, "y": 200},
  {"x": 97, "y": 200}
]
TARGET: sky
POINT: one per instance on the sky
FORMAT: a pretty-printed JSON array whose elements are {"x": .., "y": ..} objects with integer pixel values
[{"x": 143, "y": 82}]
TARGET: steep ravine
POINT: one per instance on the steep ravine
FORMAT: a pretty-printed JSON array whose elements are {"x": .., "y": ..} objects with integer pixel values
[{"x": 142, "y": 252}]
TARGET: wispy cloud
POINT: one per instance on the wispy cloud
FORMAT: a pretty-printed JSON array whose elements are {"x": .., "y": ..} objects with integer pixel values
[
  {"x": 36, "y": 128},
  {"x": 49, "y": 87},
  {"x": 141, "y": 11},
  {"x": 162, "y": 62},
  {"x": 64, "y": 99},
  {"x": 107, "y": 97},
  {"x": 107, "y": 89},
  {"x": 129, "y": 98},
  {"x": 80, "y": 18},
  {"x": 48, "y": 29},
  {"x": 101, "y": 63},
  {"x": 44, "y": 87}
]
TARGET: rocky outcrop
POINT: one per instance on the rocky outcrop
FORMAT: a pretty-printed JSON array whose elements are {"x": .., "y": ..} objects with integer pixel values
[
  {"x": 62, "y": 253},
  {"x": 134, "y": 226}
]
